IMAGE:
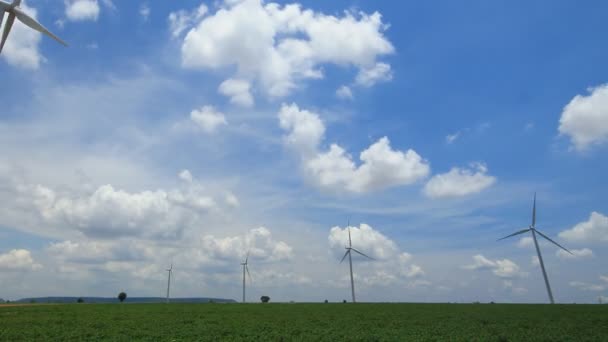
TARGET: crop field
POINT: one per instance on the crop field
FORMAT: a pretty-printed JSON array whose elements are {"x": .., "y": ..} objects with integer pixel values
[{"x": 329, "y": 322}]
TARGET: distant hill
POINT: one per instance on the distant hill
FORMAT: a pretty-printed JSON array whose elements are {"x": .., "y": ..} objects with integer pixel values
[{"x": 128, "y": 300}]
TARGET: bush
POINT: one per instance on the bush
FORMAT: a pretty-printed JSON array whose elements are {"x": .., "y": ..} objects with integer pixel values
[
  {"x": 122, "y": 296},
  {"x": 344, "y": 301},
  {"x": 80, "y": 300},
  {"x": 265, "y": 299},
  {"x": 326, "y": 301}
]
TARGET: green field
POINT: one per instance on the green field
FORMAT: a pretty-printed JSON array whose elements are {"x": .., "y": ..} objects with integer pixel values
[{"x": 329, "y": 322}]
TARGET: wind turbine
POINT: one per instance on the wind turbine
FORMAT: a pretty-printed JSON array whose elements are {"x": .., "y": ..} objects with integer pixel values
[
  {"x": 245, "y": 268},
  {"x": 535, "y": 231},
  {"x": 170, "y": 270},
  {"x": 14, "y": 11},
  {"x": 350, "y": 249}
]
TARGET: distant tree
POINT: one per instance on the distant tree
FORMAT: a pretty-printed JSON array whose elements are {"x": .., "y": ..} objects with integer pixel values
[
  {"x": 32, "y": 301},
  {"x": 122, "y": 296},
  {"x": 344, "y": 301},
  {"x": 265, "y": 299},
  {"x": 326, "y": 301},
  {"x": 80, "y": 300}
]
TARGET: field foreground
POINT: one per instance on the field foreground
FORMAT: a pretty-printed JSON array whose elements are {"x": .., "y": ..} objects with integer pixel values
[{"x": 331, "y": 322}]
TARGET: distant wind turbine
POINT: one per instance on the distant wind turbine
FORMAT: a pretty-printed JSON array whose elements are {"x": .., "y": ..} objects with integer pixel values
[
  {"x": 245, "y": 268},
  {"x": 540, "y": 257},
  {"x": 169, "y": 270},
  {"x": 350, "y": 249},
  {"x": 14, "y": 11}
]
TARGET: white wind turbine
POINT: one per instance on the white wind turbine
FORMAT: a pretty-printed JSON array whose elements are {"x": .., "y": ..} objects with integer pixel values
[
  {"x": 245, "y": 268},
  {"x": 534, "y": 231},
  {"x": 14, "y": 11},
  {"x": 169, "y": 270},
  {"x": 350, "y": 249}
]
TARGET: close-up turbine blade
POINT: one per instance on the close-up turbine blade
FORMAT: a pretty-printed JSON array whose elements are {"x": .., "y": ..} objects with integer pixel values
[
  {"x": 32, "y": 23},
  {"x": 249, "y": 274},
  {"x": 345, "y": 254},
  {"x": 555, "y": 243},
  {"x": 367, "y": 256},
  {"x": 516, "y": 233},
  {"x": 7, "y": 29},
  {"x": 534, "y": 211}
]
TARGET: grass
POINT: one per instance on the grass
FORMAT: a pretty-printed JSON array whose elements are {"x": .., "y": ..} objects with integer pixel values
[{"x": 305, "y": 322}]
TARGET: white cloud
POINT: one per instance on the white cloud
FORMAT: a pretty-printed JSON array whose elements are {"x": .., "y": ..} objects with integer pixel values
[
  {"x": 21, "y": 48},
  {"x": 365, "y": 239},
  {"x": 144, "y": 11},
  {"x": 585, "y": 118},
  {"x": 381, "y": 72},
  {"x": 459, "y": 182},
  {"x": 525, "y": 242},
  {"x": 344, "y": 93},
  {"x": 208, "y": 119},
  {"x": 258, "y": 242},
  {"x": 576, "y": 254},
  {"x": 592, "y": 231},
  {"x": 109, "y": 213},
  {"x": 381, "y": 167},
  {"x": 504, "y": 268},
  {"x": 238, "y": 91},
  {"x": 275, "y": 46},
  {"x": 450, "y": 138},
  {"x": 181, "y": 20},
  {"x": 18, "y": 260},
  {"x": 186, "y": 176},
  {"x": 604, "y": 278},
  {"x": 586, "y": 286},
  {"x": 81, "y": 10}
]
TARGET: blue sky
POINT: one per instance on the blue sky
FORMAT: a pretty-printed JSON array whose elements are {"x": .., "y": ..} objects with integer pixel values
[{"x": 195, "y": 131}]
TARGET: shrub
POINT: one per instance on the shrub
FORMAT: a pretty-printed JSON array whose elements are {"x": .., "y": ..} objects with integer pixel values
[
  {"x": 80, "y": 300},
  {"x": 122, "y": 296},
  {"x": 265, "y": 299}
]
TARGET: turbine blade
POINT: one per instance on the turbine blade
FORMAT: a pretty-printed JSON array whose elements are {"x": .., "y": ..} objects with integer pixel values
[
  {"x": 7, "y": 29},
  {"x": 247, "y": 258},
  {"x": 32, "y": 23},
  {"x": 250, "y": 279},
  {"x": 367, "y": 256},
  {"x": 345, "y": 254},
  {"x": 516, "y": 233},
  {"x": 534, "y": 211},
  {"x": 555, "y": 243}
]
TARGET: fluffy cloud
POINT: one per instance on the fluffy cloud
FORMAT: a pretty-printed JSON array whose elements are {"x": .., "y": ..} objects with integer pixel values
[
  {"x": 459, "y": 182},
  {"x": 181, "y": 20},
  {"x": 276, "y": 46},
  {"x": 502, "y": 268},
  {"x": 592, "y": 231},
  {"x": 208, "y": 119},
  {"x": 344, "y": 93},
  {"x": 450, "y": 138},
  {"x": 144, "y": 11},
  {"x": 525, "y": 242},
  {"x": 576, "y": 254},
  {"x": 238, "y": 91},
  {"x": 18, "y": 260},
  {"x": 390, "y": 263},
  {"x": 21, "y": 49},
  {"x": 109, "y": 213},
  {"x": 586, "y": 286},
  {"x": 258, "y": 242},
  {"x": 381, "y": 167},
  {"x": 96, "y": 252},
  {"x": 81, "y": 10},
  {"x": 585, "y": 118}
]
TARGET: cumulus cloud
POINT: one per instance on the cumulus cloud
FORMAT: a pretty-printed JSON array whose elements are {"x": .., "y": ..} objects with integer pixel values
[
  {"x": 587, "y": 286},
  {"x": 258, "y": 242},
  {"x": 107, "y": 212},
  {"x": 18, "y": 260},
  {"x": 585, "y": 118},
  {"x": 81, "y": 10},
  {"x": 21, "y": 49},
  {"x": 276, "y": 46},
  {"x": 592, "y": 231},
  {"x": 381, "y": 72},
  {"x": 459, "y": 182},
  {"x": 584, "y": 253},
  {"x": 344, "y": 93},
  {"x": 238, "y": 91},
  {"x": 97, "y": 252},
  {"x": 182, "y": 20},
  {"x": 382, "y": 166},
  {"x": 525, "y": 242},
  {"x": 144, "y": 11},
  {"x": 208, "y": 118},
  {"x": 504, "y": 268}
]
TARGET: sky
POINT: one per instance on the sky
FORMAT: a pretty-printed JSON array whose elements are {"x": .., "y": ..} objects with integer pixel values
[{"x": 195, "y": 132}]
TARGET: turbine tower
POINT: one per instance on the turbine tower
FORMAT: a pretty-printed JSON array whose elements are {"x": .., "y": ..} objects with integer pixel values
[
  {"x": 350, "y": 249},
  {"x": 14, "y": 11},
  {"x": 169, "y": 270},
  {"x": 535, "y": 231},
  {"x": 245, "y": 268}
]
